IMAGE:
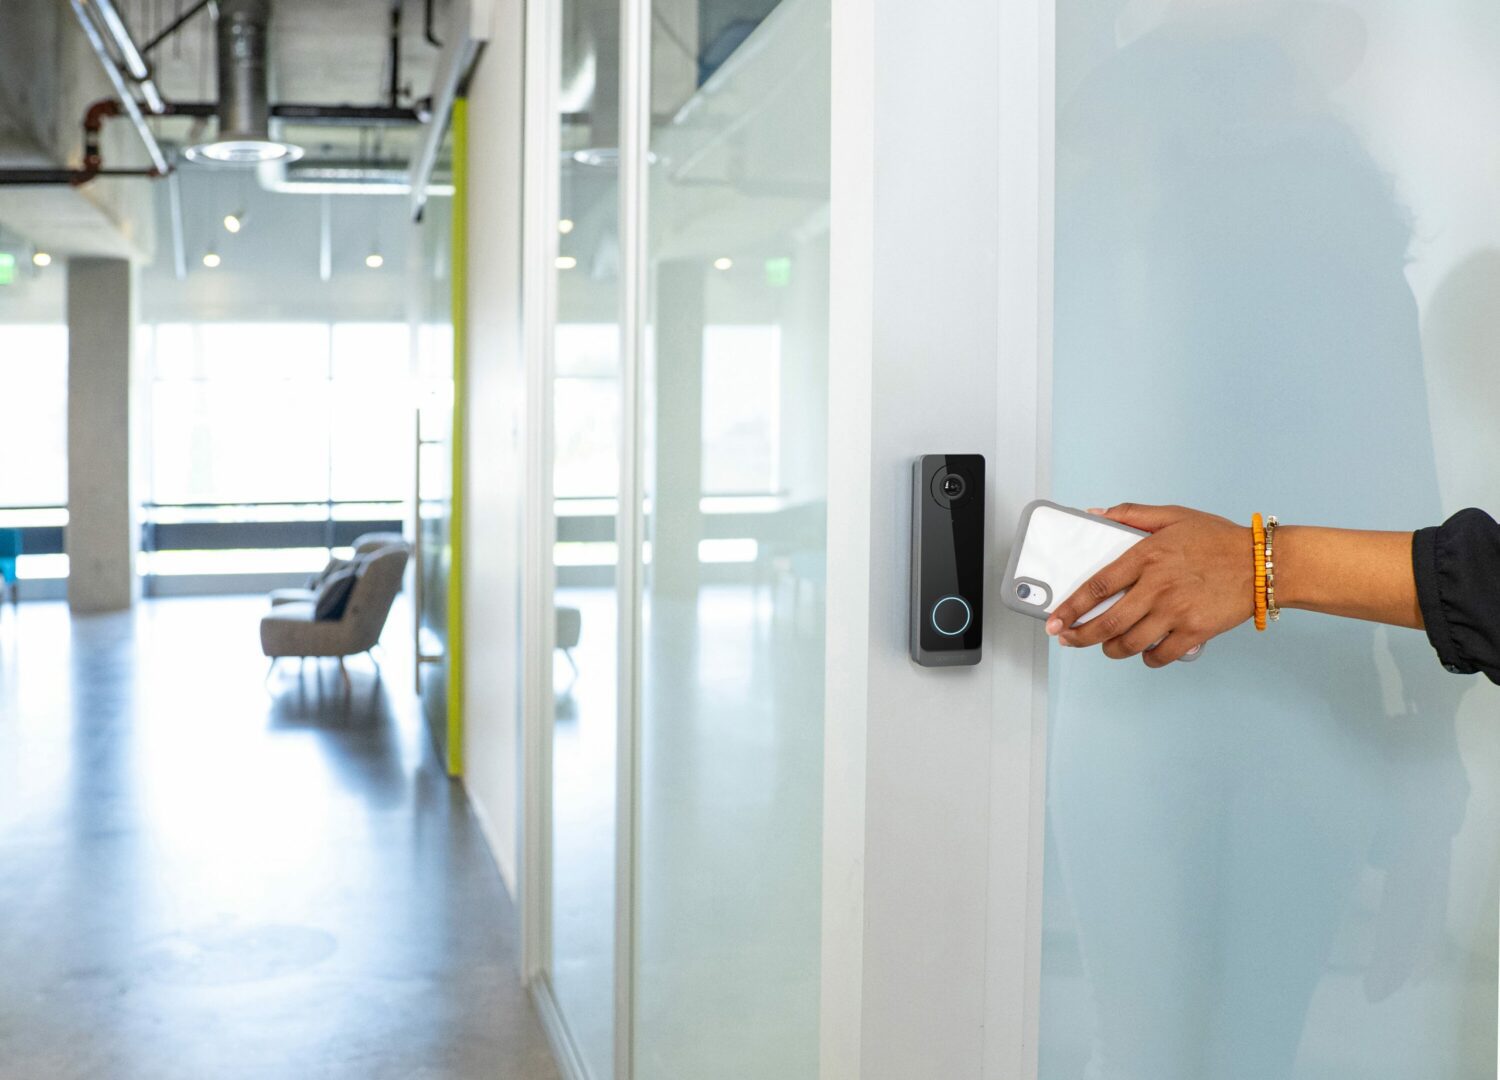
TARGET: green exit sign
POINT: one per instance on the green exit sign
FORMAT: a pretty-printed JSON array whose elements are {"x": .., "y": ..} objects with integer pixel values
[{"x": 7, "y": 268}]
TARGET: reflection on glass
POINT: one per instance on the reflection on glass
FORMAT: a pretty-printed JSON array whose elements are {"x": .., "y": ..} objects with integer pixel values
[
  {"x": 586, "y": 470},
  {"x": 736, "y": 407},
  {"x": 432, "y": 347},
  {"x": 1278, "y": 862}
]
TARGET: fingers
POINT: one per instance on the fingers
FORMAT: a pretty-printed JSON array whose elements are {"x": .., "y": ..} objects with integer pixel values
[
  {"x": 1173, "y": 647},
  {"x": 1144, "y": 517},
  {"x": 1139, "y": 638},
  {"x": 1116, "y": 577},
  {"x": 1124, "y": 614}
]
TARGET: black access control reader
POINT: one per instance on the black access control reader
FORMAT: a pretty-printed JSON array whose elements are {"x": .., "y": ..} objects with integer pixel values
[{"x": 947, "y": 559}]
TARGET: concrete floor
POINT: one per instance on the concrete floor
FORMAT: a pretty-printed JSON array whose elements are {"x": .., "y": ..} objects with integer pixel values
[{"x": 202, "y": 875}]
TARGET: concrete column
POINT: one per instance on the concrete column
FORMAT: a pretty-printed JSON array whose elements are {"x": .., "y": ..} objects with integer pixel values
[{"x": 103, "y": 535}]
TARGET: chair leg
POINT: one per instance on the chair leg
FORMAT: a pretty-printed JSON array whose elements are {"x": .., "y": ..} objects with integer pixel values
[
  {"x": 348, "y": 684},
  {"x": 270, "y": 669},
  {"x": 370, "y": 652}
]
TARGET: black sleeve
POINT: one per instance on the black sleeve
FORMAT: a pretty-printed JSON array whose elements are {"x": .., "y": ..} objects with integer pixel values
[{"x": 1457, "y": 567}]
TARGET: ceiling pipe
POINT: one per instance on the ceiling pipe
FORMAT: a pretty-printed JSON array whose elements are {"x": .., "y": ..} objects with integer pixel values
[
  {"x": 135, "y": 63},
  {"x": 117, "y": 80},
  {"x": 93, "y": 155},
  {"x": 298, "y": 113},
  {"x": 244, "y": 110}
]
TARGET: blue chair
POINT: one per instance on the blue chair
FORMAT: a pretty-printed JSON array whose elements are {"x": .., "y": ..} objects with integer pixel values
[{"x": 10, "y": 551}]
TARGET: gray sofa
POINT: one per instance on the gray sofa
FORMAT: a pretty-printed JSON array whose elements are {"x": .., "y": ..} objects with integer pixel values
[
  {"x": 290, "y": 629},
  {"x": 363, "y": 545}
]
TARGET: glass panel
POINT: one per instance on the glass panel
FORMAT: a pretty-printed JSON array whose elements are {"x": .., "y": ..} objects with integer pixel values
[
  {"x": 433, "y": 348},
  {"x": 585, "y": 480},
  {"x": 1277, "y": 264},
  {"x": 731, "y": 735}
]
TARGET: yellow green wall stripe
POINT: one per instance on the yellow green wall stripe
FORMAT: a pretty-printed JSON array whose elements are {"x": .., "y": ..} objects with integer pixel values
[{"x": 460, "y": 302}]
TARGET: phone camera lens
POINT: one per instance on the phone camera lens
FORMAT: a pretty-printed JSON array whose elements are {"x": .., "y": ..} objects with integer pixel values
[
  {"x": 953, "y": 485},
  {"x": 1023, "y": 590}
]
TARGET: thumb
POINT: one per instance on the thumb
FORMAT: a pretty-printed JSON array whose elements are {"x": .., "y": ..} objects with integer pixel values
[{"x": 1144, "y": 517}]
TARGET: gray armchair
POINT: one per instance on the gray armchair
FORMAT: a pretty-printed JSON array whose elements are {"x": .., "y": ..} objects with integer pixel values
[
  {"x": 290, "y": 629},
  {"x": 363, "y": 545}
]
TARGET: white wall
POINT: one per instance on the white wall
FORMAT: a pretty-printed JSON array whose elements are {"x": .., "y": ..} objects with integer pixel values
[
  {"x": 930, "y": 813},
  {"x": 494, "y": 480}
]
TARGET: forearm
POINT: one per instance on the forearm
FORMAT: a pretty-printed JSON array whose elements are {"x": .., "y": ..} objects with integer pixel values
[{"x": 1359, "y": 575}]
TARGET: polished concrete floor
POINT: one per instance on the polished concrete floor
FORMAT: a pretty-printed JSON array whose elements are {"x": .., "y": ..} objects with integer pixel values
[{"x": 207, "y": 875}]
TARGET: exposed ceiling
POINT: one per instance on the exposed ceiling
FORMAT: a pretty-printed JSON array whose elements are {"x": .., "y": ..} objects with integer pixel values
[{"x": 323, "y": 52}]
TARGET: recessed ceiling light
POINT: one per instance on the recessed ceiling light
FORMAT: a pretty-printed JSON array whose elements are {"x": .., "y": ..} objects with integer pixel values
[
  {"x": 243, "y": 152},
  {"x": 234, "y": 222},
  {"x": 566, "y": 262},
  {"x": 724, "y": 262},
  {"x": 211, "y": 260},
  {"x": 565, "y": 226},
  {"x": 374, "y": 260},
  {"x": 41, "y": 258}
]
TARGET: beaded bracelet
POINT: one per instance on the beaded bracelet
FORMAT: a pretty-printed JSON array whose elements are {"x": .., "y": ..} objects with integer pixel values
[
  {"x": 1271, "y": 609},
  {"x": 1258, "y": 535}
]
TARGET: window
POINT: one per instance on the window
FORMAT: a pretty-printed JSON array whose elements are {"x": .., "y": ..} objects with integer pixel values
[
  {"x": 34, "y": 444},
  {"x": 253, "y": 423},
  {"x": 34, "y": 435}
]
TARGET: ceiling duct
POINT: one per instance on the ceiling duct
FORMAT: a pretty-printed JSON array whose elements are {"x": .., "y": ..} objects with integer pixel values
[{"x": 244, "y": 135}]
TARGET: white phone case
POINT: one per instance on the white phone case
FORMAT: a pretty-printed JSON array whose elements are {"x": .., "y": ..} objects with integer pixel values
[{"x": 1056, "y": 550}]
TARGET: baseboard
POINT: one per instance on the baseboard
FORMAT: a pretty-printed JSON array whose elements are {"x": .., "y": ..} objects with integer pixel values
[{"x": 569, "y": 1061}]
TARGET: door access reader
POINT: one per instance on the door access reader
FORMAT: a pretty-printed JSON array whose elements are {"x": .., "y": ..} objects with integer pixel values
[{"x": 947, "y": 559}]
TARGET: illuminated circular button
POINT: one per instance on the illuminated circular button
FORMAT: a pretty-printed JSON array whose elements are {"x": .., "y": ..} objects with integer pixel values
[{"x": 951, "y": 616}]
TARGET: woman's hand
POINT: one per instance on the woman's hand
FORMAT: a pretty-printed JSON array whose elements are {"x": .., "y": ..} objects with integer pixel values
[{"x": 1189, "y": 581}]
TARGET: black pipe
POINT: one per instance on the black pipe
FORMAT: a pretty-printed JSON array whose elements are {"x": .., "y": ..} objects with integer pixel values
[
  {"x": 311, "y": 114},
  {"x": 395, "y": 93},
  {"x": 40, "y": 177},
  {"x": 427, "y": 27},
  {"x": 175, "y": 25}
]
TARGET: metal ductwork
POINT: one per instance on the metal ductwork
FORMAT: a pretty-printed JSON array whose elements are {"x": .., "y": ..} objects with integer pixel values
[{"x": 244, "y": 135}]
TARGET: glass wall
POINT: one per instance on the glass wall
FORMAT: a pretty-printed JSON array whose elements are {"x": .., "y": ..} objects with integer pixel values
[
  {"x": 586, "y": 395},
  {"x": 438, "y": 275},
  {"x": 735, "y": 418},
  {"x": 1278, "y": 261}
]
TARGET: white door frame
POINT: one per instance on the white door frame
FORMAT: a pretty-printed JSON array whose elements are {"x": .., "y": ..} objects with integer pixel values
[
  {"x": 541, "y": 198},
  {"x": 943, "y": 117}
]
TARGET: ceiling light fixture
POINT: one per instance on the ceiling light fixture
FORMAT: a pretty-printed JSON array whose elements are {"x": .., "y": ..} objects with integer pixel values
[
  {"x": 234, "y": 222},
  {"x": 211, "y": 259},
  {"x": 41, "y": 258},
  {"x": 723, "y": 262},
  {"x": 374, "y": 260},
  {"x": 565, "y": 226},
  {"x": 244, "y": 135},
  {"x": 566, "y": 262}
]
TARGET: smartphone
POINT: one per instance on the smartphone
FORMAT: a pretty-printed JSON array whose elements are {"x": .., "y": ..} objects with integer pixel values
[{"x": 1057, "y": 549}]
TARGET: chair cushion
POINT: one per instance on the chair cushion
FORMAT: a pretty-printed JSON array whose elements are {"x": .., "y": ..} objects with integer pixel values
[
  {"x": 292, "y": 596},
  {"x": 333, "y": 595},
  {"x": 335, "y": 564}
]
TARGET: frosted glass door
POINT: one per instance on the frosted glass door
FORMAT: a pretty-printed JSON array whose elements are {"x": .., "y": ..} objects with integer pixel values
[{"x": 1277, "y": 289}]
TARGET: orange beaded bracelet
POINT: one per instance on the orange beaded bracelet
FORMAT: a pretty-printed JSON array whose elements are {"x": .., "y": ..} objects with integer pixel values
[{"x": 1258, "y": 534}]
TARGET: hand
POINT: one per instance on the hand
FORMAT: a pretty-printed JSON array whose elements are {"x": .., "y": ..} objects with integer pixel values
[{"x": 1189, "y": 581}]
